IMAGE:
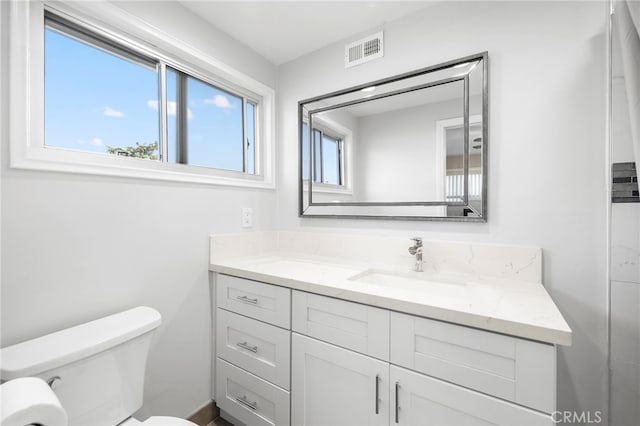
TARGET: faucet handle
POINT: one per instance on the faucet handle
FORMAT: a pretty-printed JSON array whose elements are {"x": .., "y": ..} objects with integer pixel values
[{"x": 417, "y": 247}]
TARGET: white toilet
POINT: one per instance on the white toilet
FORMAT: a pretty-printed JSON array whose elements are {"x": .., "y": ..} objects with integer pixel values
[{"x": 95, "y": 369}]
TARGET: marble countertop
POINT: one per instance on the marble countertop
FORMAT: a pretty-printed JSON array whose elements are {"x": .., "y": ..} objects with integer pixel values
[{"x": 504, "y": 305}]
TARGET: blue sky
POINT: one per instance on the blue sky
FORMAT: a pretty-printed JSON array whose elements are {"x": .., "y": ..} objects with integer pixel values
[{"x": 94, "y": 99}]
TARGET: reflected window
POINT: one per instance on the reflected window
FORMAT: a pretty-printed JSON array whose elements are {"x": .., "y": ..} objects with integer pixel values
[
  {"x": 455, "y": 183},
  {"x": 327, "y": 163},
  {"x": 331, "y": 160}
]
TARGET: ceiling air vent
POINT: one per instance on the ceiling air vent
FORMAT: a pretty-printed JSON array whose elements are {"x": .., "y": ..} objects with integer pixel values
[{"x": 363, "y": 50}]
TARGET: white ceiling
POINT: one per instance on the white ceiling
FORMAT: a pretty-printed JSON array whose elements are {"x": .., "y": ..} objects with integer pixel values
[
  {"x": 281, "y": 31},
  {"x": 431, "y": 95}
]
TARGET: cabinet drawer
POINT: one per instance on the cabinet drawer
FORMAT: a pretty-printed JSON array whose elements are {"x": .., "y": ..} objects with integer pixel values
[
  {"x": 514, "y": 369},
  {"x": 423, "y": 400},
  {"x": 361, "y": 328},
  {"x": 248, "y": 398},
  {"x": 259, "y": 348},
  {"x": 265, "y": 302}
]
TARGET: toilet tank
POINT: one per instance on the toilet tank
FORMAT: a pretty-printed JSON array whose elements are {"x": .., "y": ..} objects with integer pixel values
[{"x": 96, "y": 369}]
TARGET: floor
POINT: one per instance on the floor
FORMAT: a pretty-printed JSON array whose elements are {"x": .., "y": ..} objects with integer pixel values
[{"x": 219, "y": 422}]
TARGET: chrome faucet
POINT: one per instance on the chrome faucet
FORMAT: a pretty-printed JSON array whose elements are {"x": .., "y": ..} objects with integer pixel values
[{"x": 416, "y": 249}]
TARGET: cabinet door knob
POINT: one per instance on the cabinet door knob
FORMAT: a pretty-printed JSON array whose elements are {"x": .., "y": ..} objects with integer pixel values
[
  {"x": 397, "y": 402},
  {"x": 245, "y": 345},
  {"x": 243, "y": 400},
  {"x": 247, "y": 299},
  {"x": 377, "y": 393}
]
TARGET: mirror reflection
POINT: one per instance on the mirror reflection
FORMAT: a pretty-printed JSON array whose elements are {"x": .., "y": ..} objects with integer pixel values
[{"x": 408, "y": 147}]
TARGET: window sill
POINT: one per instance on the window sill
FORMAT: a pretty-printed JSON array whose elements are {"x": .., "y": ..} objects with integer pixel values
[
  {"x": 326, "y": 188},
  {"x": 57, "y": 160}
]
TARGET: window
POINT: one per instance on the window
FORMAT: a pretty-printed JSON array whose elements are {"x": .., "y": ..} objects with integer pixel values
[
  {"x": 97, "y": 96},
  {"x": 455, "y": 186},
  {"x": 101, "y": 97},
  {"x": 210, "y": 127},
  {"x": 328, "y": 159},
  {"x": 139, "y": 103}
]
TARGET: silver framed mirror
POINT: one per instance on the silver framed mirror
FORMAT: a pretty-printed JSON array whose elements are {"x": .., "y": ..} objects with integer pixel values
[{"x": 408, "y": 147}]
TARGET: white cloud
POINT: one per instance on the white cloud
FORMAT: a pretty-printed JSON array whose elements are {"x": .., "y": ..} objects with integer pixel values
[
  {"x": 172, "y": 108},
  {"x": 153, "y": 104},
  {"x": 110, "y": 112},
  {"x": 220, "y": 101},
  {"x": 92, "y": 142}
]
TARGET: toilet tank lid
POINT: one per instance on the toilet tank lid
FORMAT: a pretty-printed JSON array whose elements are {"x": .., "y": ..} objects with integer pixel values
[{"x": 72, "y": 344}]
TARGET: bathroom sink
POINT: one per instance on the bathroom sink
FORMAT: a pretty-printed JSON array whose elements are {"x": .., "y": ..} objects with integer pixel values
[{"x": 407, "y": 278}]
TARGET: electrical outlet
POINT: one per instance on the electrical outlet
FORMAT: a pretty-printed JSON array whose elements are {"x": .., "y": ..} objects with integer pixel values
[{"x": 247, "y": 217}]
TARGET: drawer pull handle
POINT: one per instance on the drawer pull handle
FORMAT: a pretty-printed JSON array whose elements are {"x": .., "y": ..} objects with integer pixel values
[
  {"x": 245, "y": 345},
  {"x": 397, "y": 402},
  {"x": 243, "y": 400},
  {"x": 377, "y": 393},
  {"x": 247, "y": 299}
]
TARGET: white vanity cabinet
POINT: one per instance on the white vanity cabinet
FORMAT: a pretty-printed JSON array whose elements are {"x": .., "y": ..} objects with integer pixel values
[
  {"x": 253, "y": 345},
  {"x": 411, "y": 370},
  {"x": 291, "y": 357}
]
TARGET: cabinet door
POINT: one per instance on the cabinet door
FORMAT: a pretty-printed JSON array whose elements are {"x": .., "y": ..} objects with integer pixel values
[
  {"x": 335, "y": 386},
  {"x": 423, "y": 400}
]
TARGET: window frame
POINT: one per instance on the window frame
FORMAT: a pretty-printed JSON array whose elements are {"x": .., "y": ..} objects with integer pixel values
[{"x": 106, "y": 20}]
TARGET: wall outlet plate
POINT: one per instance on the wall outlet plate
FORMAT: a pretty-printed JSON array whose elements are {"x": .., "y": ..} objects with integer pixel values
[{"x": 247, "y": 217}]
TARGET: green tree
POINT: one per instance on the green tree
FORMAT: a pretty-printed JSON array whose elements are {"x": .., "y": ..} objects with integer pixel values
[{"x": 147, "y": 151}]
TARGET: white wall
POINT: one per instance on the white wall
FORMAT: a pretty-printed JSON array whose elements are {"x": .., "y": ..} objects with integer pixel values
[
  {"x": 546, "y": 147},
  {"x": 396, "y": 153},
  {"x": 77, "y": 247}
]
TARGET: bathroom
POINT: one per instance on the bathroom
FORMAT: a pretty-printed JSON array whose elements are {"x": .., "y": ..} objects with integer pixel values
[{"x": 77, "y": 246}]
